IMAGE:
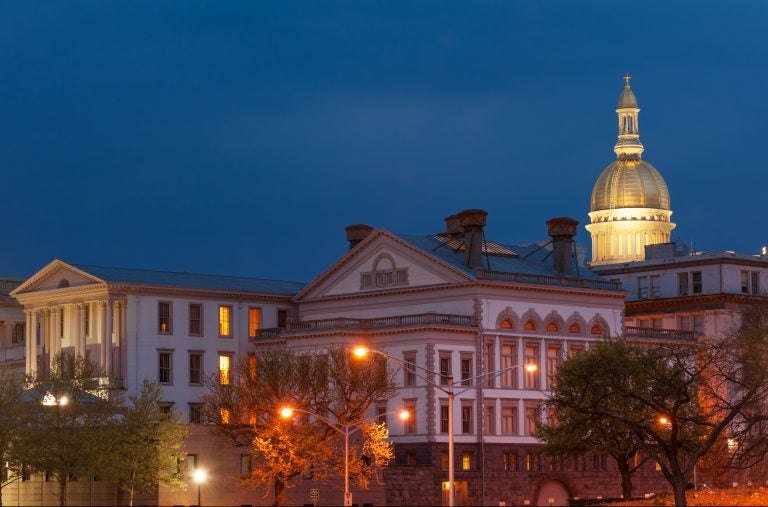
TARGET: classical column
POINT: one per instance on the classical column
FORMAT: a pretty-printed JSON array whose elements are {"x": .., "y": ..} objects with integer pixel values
[
  {"x": 56, "y": 317},
  {"x": 123, "y": 350},
  {"x": 106, "y": 336},
  {"x": 80, "y": 346},
  {"x": 31, "y": 342}
]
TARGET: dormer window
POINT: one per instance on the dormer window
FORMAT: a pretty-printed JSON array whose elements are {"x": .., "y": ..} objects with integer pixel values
[{"x": 384, "y": 274}]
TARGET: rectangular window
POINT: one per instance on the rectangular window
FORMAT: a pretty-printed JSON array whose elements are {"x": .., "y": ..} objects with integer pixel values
[
  {"x": 745, "y": 282},
  {"x": 682, "y": 284},
  {"x": 381, "y": 414},
  {"x": 245, "y": 466},
  {"x": 755, "y": 275},
  {"x": 698, "y": 324},
  {"x": 251, "y": 365},
  {"x": 575, "y": 349},
  {"x": 254, "y": 321},
  {"x": 225, "y": 321},
  {"x": 554, "y": 359},
  {"x": 531, "y": 420},
  {"x": 696, "y": 282},
  {"x": 532, "y": 357},
  {"x": 225, "y": 369},
  {"x": 508, "y": 360},
  {"x": 282, "y": 318},
  {"x": 466, "y": 419},
  {"x": 191, "y": 464},
  {"x": 225, "y": 416},
  {"x": 409, "y": 369},
  {"x": 642, "y": 287},
  {"x": 196, "y": 413},
  {"x": 410, "y": 423},
  {"x": 509, "y": 420},
  {"x": 489, "y": 421},
  {"x": 164, "y": 317},
  {"x": 655, "y": 286},
  {"x": 685, "y": 323},
  {"x": 196, "y": 368},
  {"x": 165, "y": 372},
  {"x": 443, "y": 418},
  {"x": 466, "y": 460},
  {"x": 466, "y": 370},
  {"x": 17, "y": 335},
  {"x": 532, "y": 461},
  {"x": 510, "y": 461},
  {"x": 195, "y": 319},
  {"x": 445, "y": 369},
  {"x": 444, "y": 460}
]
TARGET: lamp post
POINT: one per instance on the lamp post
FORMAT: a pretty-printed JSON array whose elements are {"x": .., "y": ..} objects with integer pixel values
[
  {"x": 199, "y": 476},
  {"x": 343, "y": 429},
  {"x": 450, "y": 392}
]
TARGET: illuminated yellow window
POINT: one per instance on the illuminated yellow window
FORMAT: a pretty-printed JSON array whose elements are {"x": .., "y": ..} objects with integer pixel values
[
  {"x": 225, "y": 321},
  {"x": 466, "y": 461},
  {"x": 225, "y": 415},
  {"x": 224, "y": 368},
  {"x": 254, "y": 321},
  {"x": 252, "y": 366}
]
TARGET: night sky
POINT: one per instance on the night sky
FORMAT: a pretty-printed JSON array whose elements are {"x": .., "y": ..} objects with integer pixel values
[{"x": 241, "y": 138}]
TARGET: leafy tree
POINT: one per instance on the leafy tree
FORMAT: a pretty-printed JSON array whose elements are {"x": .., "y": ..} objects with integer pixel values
[
  {"x": 12, "y": 408},
  {"x": 679, "y": 400},
  {"x": 71, "y": 417},
  {"x": 245, "y": 411},
  {"x": 147, "y": 445}
]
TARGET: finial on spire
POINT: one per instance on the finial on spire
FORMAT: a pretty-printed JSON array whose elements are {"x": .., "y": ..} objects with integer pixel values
[{"x": 627, "y": 77}]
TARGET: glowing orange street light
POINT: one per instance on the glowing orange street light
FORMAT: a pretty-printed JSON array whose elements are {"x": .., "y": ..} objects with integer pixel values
[{"x": 663, "y": 420}]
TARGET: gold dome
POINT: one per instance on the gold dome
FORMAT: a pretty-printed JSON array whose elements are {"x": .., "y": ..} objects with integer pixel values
[{"x": 630, "y": 183}]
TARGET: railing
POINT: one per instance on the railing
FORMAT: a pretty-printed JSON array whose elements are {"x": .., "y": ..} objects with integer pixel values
[
  {"x": 418, "y": 319},
  {"x": 659, "y": 334},
  {"x": 503, "y": 276}
]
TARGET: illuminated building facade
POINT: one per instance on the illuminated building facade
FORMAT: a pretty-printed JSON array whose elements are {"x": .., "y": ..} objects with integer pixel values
[{"x": 630, "y": 201}]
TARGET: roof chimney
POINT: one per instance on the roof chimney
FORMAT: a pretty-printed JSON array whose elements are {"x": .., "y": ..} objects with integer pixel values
[
  {"x": 562, "y": 230},
  {"x": 356, "y": 233},
  {"x": 453, "y": 226},
  {"x": 472, "y": 222}
]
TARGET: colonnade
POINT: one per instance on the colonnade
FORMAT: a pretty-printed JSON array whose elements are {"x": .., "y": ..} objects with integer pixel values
[{"x": 96, "y": 326}]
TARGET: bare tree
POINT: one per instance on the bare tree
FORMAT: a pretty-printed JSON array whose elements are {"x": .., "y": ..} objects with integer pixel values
[{"x": 12, "y": 409}]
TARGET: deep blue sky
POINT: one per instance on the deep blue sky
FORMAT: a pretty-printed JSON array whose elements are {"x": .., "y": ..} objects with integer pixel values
[{"x": 242, "y": 137}]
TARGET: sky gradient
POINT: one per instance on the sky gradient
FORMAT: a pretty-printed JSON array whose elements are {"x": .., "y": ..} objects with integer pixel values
[{"x": 241, "y": 138}]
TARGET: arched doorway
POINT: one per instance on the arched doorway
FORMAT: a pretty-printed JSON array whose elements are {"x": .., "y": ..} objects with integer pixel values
[{"x": 552, "y": 493}]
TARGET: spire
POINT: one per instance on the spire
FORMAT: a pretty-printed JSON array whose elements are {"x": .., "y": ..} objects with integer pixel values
[{"x": 628, "y": 144}]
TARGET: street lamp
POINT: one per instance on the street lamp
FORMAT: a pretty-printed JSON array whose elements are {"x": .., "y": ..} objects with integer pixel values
[
  {"x": 449, "y": 389},
  {"x": 199, "y": 476},
  {"x": 342, "y": 429}
]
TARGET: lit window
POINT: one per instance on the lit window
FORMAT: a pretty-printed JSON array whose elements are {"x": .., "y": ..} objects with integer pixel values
[
  {"x": 510, "y": 461},
  {"x": 196, "y": 368},
  {"x": 164, "y": 317},
  {"x": 552, "y": 328},
  {"x": 410, "y": 423},
  {"x": 195, "y": 319},
  {"x": 596, "y": 330},
  {"x": 574, "y": 349},
  {"x": 532, "y": 357},
  {"x": 254, "y": 321},
  {"x": 225, "y": 361},
  {"x": 164, "y": 373},
  {"x": 466, "y": 460},
  {"x": 554, "y": 358},
  {"x": 191, "y": 464},
  {"x": 531, "y": 420},
  {"x": 225, "y": 321},
  {"x": 575, "y": 329},
  {"x": 225, "y": 416},
  {"x": 529, "y": 325},
  {"x": 506, "y": 324}
]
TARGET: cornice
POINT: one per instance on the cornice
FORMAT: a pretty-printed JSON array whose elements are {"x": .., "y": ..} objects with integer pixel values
[
  {"x": 701, "y": 302},
  {"x": 387, "y": 331},
  {"x": 679, "y": 262}
]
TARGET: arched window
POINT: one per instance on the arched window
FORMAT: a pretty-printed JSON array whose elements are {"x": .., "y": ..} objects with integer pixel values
[
  {"x": 552, "y": 328},
  {"x": 63, "y": 283},
  {"x": 506, "y": 324},
  {"x": 597, "y": 330},
  {"x": 529, "y": 325},
  {"x": 575, "y": 328}
]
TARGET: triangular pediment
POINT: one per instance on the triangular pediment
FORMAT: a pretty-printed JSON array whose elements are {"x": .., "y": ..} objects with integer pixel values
[
  {"x": 381, "y": 262},
  {"x": 56, "y": 275}
]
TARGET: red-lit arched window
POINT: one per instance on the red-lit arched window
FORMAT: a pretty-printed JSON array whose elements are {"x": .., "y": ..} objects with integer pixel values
[
  {"x": 552, "y": 327},
  {"x": 596, "y": 329},
  {"x": 575, "y": 328},
  {"x": 529, "y": 325},
  {"x": 506, "y": 324}
]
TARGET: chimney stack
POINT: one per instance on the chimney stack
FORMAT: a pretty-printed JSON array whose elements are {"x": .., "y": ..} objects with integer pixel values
[
  {"x": 356, "y": 233},
  {"x": 562, "y": 230},
  {"x": 472, "y": 222},
  {"x": 453, "y": 226}
]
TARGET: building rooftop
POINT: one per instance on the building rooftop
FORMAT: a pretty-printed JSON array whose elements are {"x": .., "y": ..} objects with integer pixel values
[{"x": 191, "y": 280}]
